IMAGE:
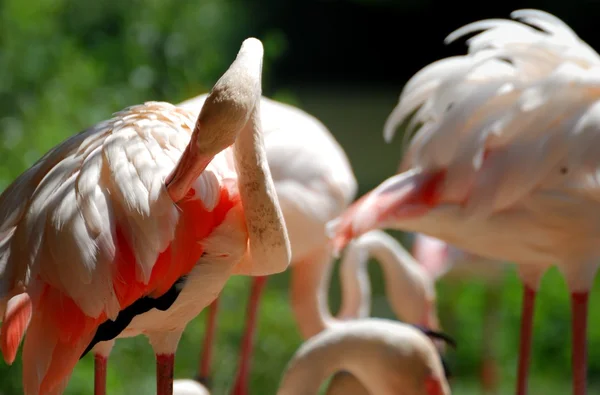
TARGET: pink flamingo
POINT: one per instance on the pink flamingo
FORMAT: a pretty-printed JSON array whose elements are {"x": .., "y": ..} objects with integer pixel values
[
  {"x": 504, "y": 162},
  {"x": 409, "y": 290},
  {"x": 314, "y": 183},
  {"x": 111, "y": 223}
]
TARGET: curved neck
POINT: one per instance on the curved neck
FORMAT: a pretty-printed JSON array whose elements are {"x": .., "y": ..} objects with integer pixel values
[
  {"x": 309, "y": 293},
  {"x": 408, "y": 288},
  {"x": 269, "y": 248},
  {"x": 382, "y": 365},
  {"x": 307, "y": 371}
]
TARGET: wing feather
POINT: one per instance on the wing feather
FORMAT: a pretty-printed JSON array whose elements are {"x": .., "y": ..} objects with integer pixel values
[
  {"x": 61, "y": 216},
  {"x": 501, "y": 119}
]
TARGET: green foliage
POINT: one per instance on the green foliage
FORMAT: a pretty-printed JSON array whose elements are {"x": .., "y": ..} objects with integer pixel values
[{"x": 67, "y": 64}]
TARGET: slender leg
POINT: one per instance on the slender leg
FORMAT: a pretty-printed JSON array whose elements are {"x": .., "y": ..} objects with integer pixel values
[
  {"x": 164, "y": 374},
  {"x": 526, "y": 335},
  {"x": 100, "y": 362},
  {"x": 207, "y": 348},
  {"x": 489, "y": 375},
  {"x": 241, "y": 382},
  {"x": 579, "y": 306},
  {"x": 101, "y": 353},
  {"x": 489, "y": 368}
]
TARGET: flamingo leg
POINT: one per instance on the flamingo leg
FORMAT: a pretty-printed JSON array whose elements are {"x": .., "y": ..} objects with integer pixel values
[
  {"x": 526, "y": 336},
  {"x": 579, "y": 306},
  {"x": 489, "y": 375},
  {"x": 241, "y": 382},
  {"x": 164, "y": 374},
  {"x": 489, "y": 368},
  {"x": 101, "y": 352},
  {"x": 100, "y": 362},
  {"x": 208, "y": 345}
]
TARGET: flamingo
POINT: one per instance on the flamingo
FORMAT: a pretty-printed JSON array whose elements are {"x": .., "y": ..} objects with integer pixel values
[
  {"x": 503, "y": 163},
  {"x": 409, "y": 290},
  {"x": 314, "y": 183},
  {"x": 276, "y": 134},
  {"x": 387, "y": 357},
  {"x": 133, "y": 203},
  {"x": 440, "y": 259}
]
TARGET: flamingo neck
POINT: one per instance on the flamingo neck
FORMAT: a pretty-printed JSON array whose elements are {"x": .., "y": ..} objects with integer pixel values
[
  {"x": 309, "y": 294},
  {"x": 269, "y": 245},
  {"x": 409, "y": 290}
]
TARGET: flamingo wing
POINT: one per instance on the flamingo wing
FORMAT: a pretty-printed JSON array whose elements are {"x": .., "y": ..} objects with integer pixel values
[{"x": 90, "y": 229}]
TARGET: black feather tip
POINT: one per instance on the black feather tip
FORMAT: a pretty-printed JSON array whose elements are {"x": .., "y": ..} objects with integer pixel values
[
  {"x": 445, "y": 338},
  {"x": 205, "y": 381},
  {"x": 447, "y": 371},
  {"x": 437, "y": 335},
  {"x": 110, "y": 329}
]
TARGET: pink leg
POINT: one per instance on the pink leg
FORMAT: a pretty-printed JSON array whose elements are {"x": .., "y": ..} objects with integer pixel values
[
  {"x": 489, "y": 375},
  {"x": 241, "y": 382},
  {"x": 207, "y": 347},
  {"x": 526, "y": 335},
  {"x": 489, "y": 366},
  {"x": 100, "y": 362},
  {"x": 164, "y": 374},
  {"x": 579, "y": 306}
]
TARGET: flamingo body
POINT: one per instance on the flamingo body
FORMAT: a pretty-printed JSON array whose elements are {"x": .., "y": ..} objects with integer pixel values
[{"x": 504, "y": 164}]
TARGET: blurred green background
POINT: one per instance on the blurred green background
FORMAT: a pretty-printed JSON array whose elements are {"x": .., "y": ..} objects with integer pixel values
[{"x": 66, "y": 64}]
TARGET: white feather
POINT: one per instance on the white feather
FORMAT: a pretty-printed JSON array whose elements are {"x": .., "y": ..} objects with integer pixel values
[
  {"x": 71, "y": 202},
  {"x": 515, "y": 125}
]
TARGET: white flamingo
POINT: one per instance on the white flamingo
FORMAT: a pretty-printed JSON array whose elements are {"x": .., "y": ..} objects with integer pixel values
[{"x": 505, "y": 162}]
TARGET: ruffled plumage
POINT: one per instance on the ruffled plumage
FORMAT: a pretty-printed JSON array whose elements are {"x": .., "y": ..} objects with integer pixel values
[{"x": 518, "y": 97}]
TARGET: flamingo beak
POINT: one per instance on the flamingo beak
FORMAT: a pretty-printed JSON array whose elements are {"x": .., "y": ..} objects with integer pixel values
[{"x": 191, "y": 164}]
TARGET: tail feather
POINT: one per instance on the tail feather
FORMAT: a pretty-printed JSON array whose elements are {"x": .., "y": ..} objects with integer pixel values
[
  {"x": 16, "y": 320},
  {"x": 57, "y": 335},
  {"x": 37, "y": 354},
  {"x": 49, "y": 360},
  {"x": 61, "y": 387}
]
